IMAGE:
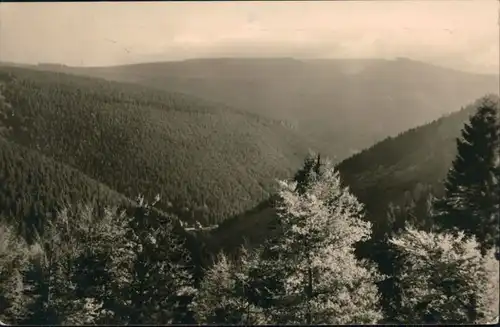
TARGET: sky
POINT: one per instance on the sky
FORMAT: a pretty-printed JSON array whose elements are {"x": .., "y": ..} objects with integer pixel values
[{"x": 460, "y": 34}]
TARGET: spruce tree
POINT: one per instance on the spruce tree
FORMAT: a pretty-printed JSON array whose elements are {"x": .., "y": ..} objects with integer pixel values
[
  {"x": 158, "y": 281},
  {"x": 472, "y": 195},
  {"x": 316, "y": 276},
  {"x": 72, "y": 278},
  {"x": 50, "y": 279},
  {"x": 416, "y": 213},
  {"x": 310, "y": 167},
  {"x": 101, "y": 233}
]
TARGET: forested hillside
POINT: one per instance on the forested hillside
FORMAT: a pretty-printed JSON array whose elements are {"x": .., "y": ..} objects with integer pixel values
[
  {"x": 207, "y": 161},
  {"x": 343, "y": 105},
  {"x": 33, "y": 187},
  {"x": 401, "y": 166},
  {"x": 398, "y": 170}
]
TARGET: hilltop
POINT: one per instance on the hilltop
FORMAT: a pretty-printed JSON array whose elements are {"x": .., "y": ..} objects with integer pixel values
[
  {"x": 206, "y": 160},
  {"x": 341, "y": 105}
]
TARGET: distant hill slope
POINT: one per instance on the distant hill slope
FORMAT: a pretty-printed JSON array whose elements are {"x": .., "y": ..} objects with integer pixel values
[
  {"x": 419, "y": 157},
  {"x": 32, "y": 185},
  {"x": 387, "y": 172},
  {"x": 206, "y": 160},
  {"x": 342, "y": 105}
]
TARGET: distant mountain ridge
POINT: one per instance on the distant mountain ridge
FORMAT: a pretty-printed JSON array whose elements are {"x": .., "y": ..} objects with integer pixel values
[{"x": 329, "y": 101}]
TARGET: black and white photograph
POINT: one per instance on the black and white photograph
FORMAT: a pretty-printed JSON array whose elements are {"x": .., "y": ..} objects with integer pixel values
[{"x": 250, "y": 162}]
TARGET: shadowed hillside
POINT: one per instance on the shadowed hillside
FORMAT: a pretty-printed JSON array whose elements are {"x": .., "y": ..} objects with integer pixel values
[
  {"x": 342, "y": 105},
  {"x": 32, "y": 186},
  {"x": 398, "y": 164},
  {"x": 207, "y": 161}
]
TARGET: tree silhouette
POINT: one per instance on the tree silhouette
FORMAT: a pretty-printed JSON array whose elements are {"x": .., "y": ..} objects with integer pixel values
[{"x": 471, "y": 200}]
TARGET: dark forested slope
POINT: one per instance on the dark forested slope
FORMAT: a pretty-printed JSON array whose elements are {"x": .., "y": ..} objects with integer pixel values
[
  {"x": 392, "y": 171},
  {"x": 206, "y": 161},
  {"x": 342, "y": 105},
  {"x": 418, "y": 158},
  {"x": 32, "y": 186}
]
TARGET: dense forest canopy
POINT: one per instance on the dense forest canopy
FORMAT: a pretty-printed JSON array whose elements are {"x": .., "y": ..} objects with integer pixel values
[
  {"x": 342, "y": 105},
  {"x": 33, "y": 187},
  {"x": 207, "y": 162}
]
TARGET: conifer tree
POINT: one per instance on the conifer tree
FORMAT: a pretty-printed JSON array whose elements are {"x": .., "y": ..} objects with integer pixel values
[
  {"x": 158, "y": 282},
  {"x": 50, "y": 279},
  {"x": 303, "y": 177},
  {"x": 98, "y": 269},
  {"x": 472, "y": 196},
  {"x": 416, "y": 213},
  {"x": 14, "y": 260},
  {"x": 73, "y": 278},
  {"x": 98, "y": 266},
  {"x": 4, "y": 110},
  {"x": 313, "y": 261},
  {"x": 444, "y": 279},
  {"x": 223, "y": 295}
]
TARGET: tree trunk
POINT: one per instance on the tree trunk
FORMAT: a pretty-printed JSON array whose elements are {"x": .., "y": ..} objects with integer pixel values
[{"x": 309, "y": 295}]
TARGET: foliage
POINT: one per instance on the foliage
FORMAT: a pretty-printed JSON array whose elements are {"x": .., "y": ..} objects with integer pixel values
[
  {"x": 73, "y": 278},
  {"x": 14, "y": 259},
  {"x": 417, "y": 212},
  {"x": 98, "y": 265},
  {"x": 51, "y": 288},
  {"x": 417, "y": 158},
  {"x": 445, "y": 280},
  {"x": 223, "y": 298}
]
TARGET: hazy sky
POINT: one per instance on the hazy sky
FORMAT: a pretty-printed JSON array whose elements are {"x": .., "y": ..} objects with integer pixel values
[{"x": 461, "y": 33}]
